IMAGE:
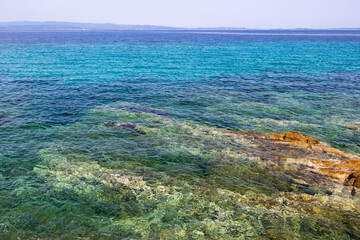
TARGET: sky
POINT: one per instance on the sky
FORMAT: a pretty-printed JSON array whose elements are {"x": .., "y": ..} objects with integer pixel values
[{"x": 190, "y": 13}]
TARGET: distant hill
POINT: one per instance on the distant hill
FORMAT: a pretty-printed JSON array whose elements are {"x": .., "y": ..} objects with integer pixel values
[
  {"x": 71, "y": 26},
  {"x": 52, "y": 26}
]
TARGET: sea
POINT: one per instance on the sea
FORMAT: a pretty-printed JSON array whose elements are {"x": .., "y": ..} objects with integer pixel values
[{"x": 123, "y": 135}]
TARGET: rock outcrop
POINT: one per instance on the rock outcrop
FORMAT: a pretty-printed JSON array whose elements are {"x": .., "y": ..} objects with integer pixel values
[
  {"x": 310, "y": 153},
  {"x": 294, "y": 137}
]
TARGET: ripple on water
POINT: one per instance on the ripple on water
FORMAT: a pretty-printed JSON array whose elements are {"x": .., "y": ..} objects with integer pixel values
[
  {"x": 179, "y": 179},
  {"x": 133, "y": 171}
]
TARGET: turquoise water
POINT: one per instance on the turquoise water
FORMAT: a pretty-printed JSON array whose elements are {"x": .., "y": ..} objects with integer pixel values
[{"x": 65, "y": 174}]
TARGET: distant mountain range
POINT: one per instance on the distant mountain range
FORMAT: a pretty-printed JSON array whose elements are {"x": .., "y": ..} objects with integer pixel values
[
  {"x": 28, "y": 26},
  {"x": 73, "y": 26}
]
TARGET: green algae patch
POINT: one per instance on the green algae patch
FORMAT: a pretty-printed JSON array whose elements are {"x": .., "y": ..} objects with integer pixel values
[{"x": 151, "y": 176}]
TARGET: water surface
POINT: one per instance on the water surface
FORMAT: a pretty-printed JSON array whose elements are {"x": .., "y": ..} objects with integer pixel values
[{"x": 57, "y": 90}]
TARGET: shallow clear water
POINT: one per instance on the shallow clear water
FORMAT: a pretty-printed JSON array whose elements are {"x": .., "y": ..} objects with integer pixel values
[{"x": 58, "y": 159}]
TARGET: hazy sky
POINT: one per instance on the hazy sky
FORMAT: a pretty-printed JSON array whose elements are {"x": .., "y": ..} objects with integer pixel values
[{"x": 190, "y": 13}]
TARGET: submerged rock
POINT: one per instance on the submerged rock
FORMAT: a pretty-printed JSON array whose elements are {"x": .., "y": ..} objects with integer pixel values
[
  {"x": 294, "y": 137},
  {"x": 110, "y": 124},
  {"x": 185, "y": 179},
  {"x": 127, "y": 126},
  {"x": 354, "y": 179},
  {"x": 353, "y": 126},
  {"x": 316, "y": 156}
]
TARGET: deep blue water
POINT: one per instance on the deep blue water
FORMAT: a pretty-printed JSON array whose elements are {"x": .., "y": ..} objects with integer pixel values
[{"x": 268, "y": 81}]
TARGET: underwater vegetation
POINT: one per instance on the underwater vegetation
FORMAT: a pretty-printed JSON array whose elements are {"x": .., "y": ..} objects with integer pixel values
[{"x": 128, "y": 171}]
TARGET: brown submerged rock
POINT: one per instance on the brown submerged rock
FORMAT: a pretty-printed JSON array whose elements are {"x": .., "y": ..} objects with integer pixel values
[
  {"x": 354, "y": 179},
  {"x": 293, "y": 137},
  {"x": 311, "y": 154}
]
